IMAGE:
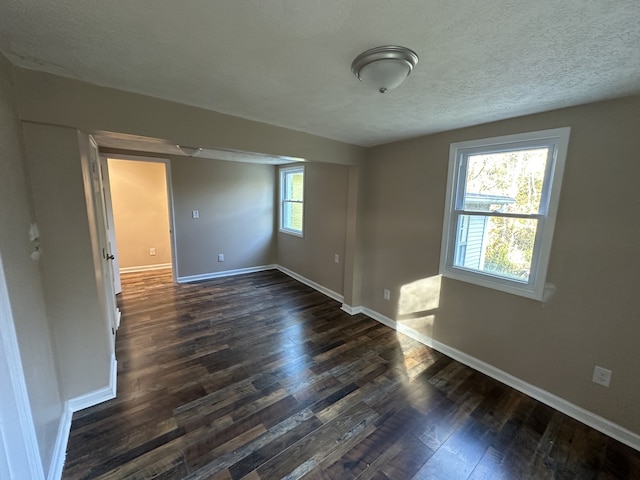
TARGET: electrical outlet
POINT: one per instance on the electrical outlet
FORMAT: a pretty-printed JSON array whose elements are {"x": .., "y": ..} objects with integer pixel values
[
  {"x": 601, "y": 376},
  {"x": 387, "y": 294},
  {"x": 221, "y": 257},
  {"x": 152, "y": 251},
  {"x": 195, "y": 214},
  {"x": 336, "y": 258}
]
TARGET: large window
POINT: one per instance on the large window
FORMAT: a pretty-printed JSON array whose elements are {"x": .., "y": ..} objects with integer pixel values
[
  {"x": 502, "y": 199},
  {"x": 292, "y": 200}
]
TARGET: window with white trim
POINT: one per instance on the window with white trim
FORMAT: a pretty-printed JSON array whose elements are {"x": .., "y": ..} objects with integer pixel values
[
  {"x": 292, "y": 200},
  {"x": 501, "y": 204}
]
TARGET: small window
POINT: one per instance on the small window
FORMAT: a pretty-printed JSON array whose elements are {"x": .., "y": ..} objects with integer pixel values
[
  {"x": 501, "y": 204},
  {"x": 292, "y": 200}
]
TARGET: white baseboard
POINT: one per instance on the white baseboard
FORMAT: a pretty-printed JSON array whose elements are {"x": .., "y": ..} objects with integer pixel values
[
  {"x": 329, "y": 293},
  {"x": 145, "y": 268},
  {"x": 98, "y": 396},
  {"x": 225, "y": 273},
  {"x": 73, "y": 405},
  {"x": 588, "y": 418},
  {"x": 60, "y": 448},
  {"x": 351, "y": 310}
]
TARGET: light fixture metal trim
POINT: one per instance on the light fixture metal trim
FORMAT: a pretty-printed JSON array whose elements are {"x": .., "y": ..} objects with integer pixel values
[{"x": 401, "y": 55}]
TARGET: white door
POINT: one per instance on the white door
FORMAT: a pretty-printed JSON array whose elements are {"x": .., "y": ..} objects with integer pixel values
[
  {"x": 112, "y": 312},
  {"x": 111, "y": 229}
]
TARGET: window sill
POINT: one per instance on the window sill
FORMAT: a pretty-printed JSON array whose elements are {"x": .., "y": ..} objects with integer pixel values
[
  {"x": 294, "y": 233},
  {"x": 541, "y": 294}
]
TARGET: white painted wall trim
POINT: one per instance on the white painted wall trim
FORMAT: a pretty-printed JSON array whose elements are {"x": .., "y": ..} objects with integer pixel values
[
  {"x": 60, "y": 448},
  {"x": 225, "y": 273},
  {"x": 21, "y": 454},
  {"x": 73, "y": 405},
  {"x": 145, "y": 268},
  {"x": 588, "y": 418},
  {"x": 351, "y": 310},
  {"x": 329, "y": 293},
  {"x": 98, "y": 396}
]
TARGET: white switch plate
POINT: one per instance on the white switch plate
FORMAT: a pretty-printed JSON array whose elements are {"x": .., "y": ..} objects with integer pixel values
[
  {"x": 152, "y": 251},
  {"x": 195, "y": 214},
  {"x": 387, "y": 294},
  {"x": 336, "y": 258},
  {"x": 221, "y": 257},
  {"x": 601, "y": 376}
]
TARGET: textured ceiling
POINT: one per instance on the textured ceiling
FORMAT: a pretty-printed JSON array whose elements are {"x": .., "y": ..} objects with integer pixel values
[{"x": 287, "y": 62}]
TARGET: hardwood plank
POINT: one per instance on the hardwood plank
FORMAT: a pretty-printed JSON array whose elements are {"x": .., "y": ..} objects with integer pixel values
[{"x": 306, "y": 454}]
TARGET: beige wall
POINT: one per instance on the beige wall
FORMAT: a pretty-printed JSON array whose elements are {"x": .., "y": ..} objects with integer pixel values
[
  {"x": 235, "y": 202},
  {"x": 56, "y": 100},
  {"x": 73, "y": 293},
  {"x": 325, "y": 221},
  {"x": 141, "y": 212},
  {"x": 23, "y": 278},
  {"x": 593, "y": 317}
]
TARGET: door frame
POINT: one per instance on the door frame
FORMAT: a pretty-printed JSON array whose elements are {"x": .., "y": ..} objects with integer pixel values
[{"x": 169, "y": 186}]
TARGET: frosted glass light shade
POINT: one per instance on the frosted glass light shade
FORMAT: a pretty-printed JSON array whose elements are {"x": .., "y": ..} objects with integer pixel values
[
  {"x": 384, "y": 68},
  {"x": 385, "y": 74}
]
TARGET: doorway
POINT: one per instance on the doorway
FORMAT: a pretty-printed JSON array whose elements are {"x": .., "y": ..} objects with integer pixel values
[{"x": 141, "y": 210}]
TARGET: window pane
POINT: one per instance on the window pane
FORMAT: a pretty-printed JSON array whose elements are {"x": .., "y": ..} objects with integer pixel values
[
  {"x": 292, "y": 216},
  {"x": 294, "y": 186},
  {"x": 505, "y": 181},
  {"x": 495, "y": 245}
]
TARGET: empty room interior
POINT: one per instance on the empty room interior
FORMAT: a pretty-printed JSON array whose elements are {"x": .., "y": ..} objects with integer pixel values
[{"x": 330, "y": 240}]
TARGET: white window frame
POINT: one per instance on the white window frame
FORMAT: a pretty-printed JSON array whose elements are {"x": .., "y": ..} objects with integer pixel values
[
  {"x": 284, "y": 172},
  {"x": 557, "y": 140}
]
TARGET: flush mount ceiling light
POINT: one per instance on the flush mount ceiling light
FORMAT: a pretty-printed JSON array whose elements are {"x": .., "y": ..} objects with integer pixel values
[{"x": 385, "y": 67}]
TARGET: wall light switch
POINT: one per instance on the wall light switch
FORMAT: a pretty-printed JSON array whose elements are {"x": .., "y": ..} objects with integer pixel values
[
  {"x": 152, "y": 251},
  {"x": 601, "y": 376},
  {"x": 336, "y": 258},
  {"x": 195, "y": 214},
  {"x": 387, "y": 294},
  {"x": 221, "y": 257}
]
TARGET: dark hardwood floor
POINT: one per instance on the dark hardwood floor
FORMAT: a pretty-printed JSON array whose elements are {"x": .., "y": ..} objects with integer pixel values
[{"x": 260, "y": 377}]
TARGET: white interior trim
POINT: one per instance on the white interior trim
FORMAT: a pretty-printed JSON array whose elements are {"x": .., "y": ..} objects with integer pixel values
[
  {"x": 225, "y": 273},
  {"x": 588, "y": 418},
  {"x": 60, "y": 448},
  {"x": 351, "y": 310},
  {"x": 329, "y": 293},
  {"x": 98, "y": 396},
  {"x": 73, "y": 405},
  {"x": 556, "y": 141},
  {"x": 168, "y": 180},
  {"x": 145, "y": 268},
  {"x": 21, "y": 454}
]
